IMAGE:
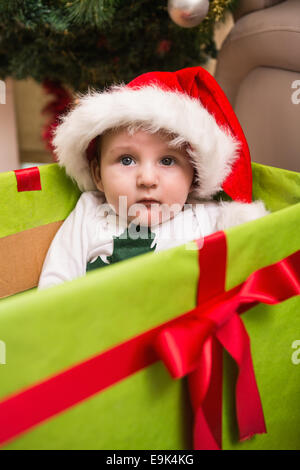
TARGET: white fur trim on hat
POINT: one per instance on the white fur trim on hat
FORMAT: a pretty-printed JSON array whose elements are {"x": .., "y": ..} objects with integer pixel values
[{"x": 214, "y": 149}]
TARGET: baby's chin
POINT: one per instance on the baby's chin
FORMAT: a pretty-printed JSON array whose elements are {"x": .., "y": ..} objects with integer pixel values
[{"x": 152, "y": 215}]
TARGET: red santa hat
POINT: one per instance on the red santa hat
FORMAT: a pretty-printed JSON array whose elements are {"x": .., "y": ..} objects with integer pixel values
[{"x": 188, "y": 103}]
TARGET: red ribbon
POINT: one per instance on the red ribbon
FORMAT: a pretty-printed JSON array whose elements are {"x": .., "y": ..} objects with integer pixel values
[
  {"x": 193, "y": 347},
  {"x": 28, "y": 179},
  {"x": 191, "y": 344}
]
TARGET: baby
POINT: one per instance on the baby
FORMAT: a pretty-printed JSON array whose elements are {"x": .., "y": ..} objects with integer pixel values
[{"x": 149, "y": 158}]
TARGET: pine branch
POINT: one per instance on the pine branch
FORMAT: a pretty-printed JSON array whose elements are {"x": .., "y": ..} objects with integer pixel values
[
  {"x": 92, "y": 12},
  {"x": 84, "y": 43}
]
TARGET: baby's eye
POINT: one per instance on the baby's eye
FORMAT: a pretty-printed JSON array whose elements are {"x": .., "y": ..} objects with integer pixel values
[
  {"x": 126, "y": 160},
  {"x": 168, "y": 161}
]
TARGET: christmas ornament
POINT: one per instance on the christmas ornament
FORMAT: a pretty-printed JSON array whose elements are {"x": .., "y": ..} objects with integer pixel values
[
  {"x": 163, "y": 47},
  {"x": 188, "y": 13},
  {"x": 60, "y": 103}
]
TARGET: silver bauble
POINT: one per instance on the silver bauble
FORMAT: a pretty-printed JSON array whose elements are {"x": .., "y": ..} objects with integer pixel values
[{"x": 188, "y": 13}]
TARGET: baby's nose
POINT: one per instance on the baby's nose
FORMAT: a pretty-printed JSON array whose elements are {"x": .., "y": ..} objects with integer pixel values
[{"x": 147, "y": 176}]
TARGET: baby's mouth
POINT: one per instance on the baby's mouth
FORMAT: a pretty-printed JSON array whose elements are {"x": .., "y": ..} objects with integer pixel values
[{"x": 148, "y": 202}]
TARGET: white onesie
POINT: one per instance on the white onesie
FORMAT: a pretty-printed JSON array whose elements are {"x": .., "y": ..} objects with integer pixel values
[{"x": 87, "y": 233}]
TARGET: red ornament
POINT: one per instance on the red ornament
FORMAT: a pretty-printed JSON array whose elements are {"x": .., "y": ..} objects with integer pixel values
[
  {"x": 164, "y": 46},
  {"x": 55, "y": 108},
  {"x": 102, "y": 42}
]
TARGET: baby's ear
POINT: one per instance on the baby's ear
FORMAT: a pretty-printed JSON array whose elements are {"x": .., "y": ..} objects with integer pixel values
[
  {"x": 193, "y": 186},
  {"x": 194, "y": 183},
  {"x": 95, "y": 172}
]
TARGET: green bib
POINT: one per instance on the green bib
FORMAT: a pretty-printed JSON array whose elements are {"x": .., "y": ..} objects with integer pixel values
[{"x": 126, "y": 247}]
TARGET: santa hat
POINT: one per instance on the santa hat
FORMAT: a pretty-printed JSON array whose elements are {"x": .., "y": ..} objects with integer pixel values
[{"x": 189, "y": 103}]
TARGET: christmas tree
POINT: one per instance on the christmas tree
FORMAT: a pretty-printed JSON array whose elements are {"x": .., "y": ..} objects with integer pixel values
[
  {"x": 83, "y": 43},
  {"x": 93, "y": 43}
]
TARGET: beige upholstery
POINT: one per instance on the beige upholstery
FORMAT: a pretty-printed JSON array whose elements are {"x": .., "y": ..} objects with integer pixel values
[
  {"x": 257, "y": 67},
  {"x": 9, "y": 152},
  {"x": 247, "y": 6}
]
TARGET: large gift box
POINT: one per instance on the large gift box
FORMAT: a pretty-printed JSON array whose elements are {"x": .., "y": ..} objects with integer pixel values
[{"x": 197, "y": 346}]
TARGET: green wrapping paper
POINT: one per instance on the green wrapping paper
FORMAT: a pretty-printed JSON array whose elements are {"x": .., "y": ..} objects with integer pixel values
[
  {"x": 48, "y": 331},
  {"x": 21, "y": 211}
]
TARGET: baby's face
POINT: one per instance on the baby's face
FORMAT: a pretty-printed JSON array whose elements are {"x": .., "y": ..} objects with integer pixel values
[{"x": 143, "y": 166}]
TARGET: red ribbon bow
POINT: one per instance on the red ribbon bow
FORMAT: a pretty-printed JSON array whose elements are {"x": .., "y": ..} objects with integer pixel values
[{"x": 193, "y": 346}]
